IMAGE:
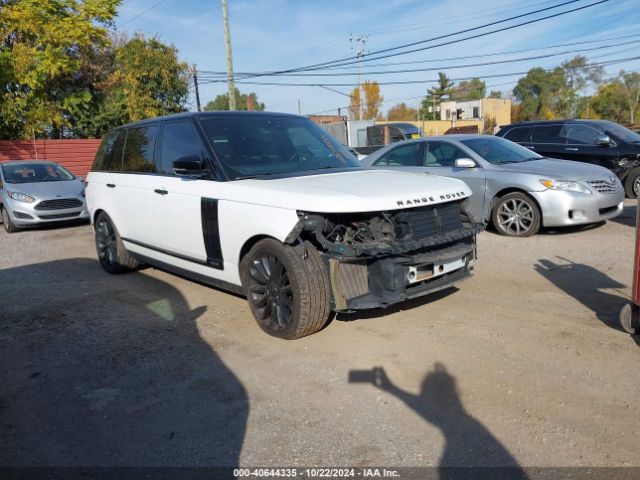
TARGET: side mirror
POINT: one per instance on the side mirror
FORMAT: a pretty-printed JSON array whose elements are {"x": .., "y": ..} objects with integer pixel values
[
  {"x": 603, "y": 140},
  {"x": 189, "y": 166},
  {"x": 465, "y": 163}
]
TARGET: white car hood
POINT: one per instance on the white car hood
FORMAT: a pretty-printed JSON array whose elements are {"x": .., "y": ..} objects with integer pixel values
[{"x": 357, "y": 191}]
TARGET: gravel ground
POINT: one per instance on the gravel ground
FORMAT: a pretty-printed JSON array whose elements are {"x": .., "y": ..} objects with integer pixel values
[{"x": 523, "y": 364}]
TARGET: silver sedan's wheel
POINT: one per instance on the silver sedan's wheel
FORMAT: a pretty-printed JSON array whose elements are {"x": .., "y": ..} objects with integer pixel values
[
  {"x": 9, "y": 226},
  {"x": 516, "y": 215}
]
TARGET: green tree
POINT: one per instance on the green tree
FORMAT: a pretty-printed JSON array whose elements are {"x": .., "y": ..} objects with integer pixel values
[
  {"x": 435, "y": 96},
  {"x": 611, "y": 103},
  {"x": 473, "y": 89},
  {"x": 630, "y": 85},
  {"x": 540, "y": 94},
  {"x": 221, "y": 102},
  {"x": 495, "y": 94},
  {"x": 578, "y": 76},
  {"x": 42, "y": 46}
]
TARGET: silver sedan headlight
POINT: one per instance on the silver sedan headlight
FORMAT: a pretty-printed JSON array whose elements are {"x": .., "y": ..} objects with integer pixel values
[
  {"x": 565, "y": 186},
  {"x": 21, "y": 197}
]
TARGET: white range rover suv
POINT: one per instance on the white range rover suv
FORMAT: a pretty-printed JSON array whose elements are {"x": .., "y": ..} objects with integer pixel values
[{"x": 272, "y": 207}]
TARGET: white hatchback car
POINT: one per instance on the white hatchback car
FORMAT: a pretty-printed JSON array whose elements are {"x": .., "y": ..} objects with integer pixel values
[{"x": 272, "y": 207}]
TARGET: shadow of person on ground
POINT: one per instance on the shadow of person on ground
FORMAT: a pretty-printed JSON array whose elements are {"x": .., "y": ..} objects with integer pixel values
[
  {"x": 468, "y": 443},
  {"x": 110, "y": 370},
  {"x": 585, "y": 283}
]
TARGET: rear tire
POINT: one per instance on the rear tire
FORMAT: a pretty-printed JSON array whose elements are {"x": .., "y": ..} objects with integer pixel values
[
  {"x": 287, "y": 288},
  {"x": 112, "y": 255},
  {"x": 632, "y": 183},
  {"x": 516, "y": 215},
  {"x": 9, "y": 226}
]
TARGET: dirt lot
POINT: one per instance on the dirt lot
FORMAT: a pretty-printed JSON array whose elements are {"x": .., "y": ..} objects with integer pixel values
[{"x": 523, "y": 364}]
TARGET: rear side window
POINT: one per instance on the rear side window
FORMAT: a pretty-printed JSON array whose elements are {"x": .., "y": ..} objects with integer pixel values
[
  {"x": 547, "y": 134},
  {"x": 109, "y": 155},
  {"x": 442, "y": 154},
  {"x": 518, "y": 134},
  {"x": 405, "y": 155},
  {"x": 178, "y": 140},
  {"x": 139, "y": 145}
]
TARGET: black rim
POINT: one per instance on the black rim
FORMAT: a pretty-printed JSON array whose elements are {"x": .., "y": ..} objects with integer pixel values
[
  {"x": 270, "y": 292},
  {"x": 106, "y": 242}
]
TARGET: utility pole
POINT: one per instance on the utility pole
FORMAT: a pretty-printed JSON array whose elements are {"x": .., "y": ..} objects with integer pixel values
[
  {"x": 227, "y": 37},
  {"x": 357, "y": 45},
  {"x": 195, "y": 84},
  {"x": 299, "y": 109}
]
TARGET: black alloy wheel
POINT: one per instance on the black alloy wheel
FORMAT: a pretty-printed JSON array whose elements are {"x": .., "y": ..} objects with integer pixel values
[
  {"x": 270, "y": 292},
  {"x": 287, "y": 288},
  {"x": 106, "y": 245},
  {"x": 112, "y": 254}
]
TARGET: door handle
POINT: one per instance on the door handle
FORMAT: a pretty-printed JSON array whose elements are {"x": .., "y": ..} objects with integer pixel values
[
  {"x": 111, "y": 185},
  {"x": 160, "y": 191},
  {"x": 572, "y": 149},
  {"x": 531, "y": 148}
]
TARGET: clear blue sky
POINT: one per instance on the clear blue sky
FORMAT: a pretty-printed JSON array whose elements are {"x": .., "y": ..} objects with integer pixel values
[{"x": 277, "y": 34}]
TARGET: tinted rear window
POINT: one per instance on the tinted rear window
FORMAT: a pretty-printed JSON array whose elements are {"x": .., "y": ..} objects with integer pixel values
[
  {"x": 547, "y": 134},
  {"x": 104, "y": 156},
  {"x": 518, "y": 134},
  {"x": 138, "y": 149}
]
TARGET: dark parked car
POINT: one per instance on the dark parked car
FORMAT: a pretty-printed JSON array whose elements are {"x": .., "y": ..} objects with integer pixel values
[{"x": 599, "y": 142}]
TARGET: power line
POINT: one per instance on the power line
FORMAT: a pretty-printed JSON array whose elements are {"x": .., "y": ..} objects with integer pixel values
[
  {"x": 142, "y": 13},
  {"x": 410, "y": 82},
  {"x": 464, "y": 57},
  {"x": 376, "y": 54},
  {"x": 451, "y": 67},
  {"x": 454, "y": 19}
]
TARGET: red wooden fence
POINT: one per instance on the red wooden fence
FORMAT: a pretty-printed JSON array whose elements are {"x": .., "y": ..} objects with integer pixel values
[{"x": 76, "y": 155}]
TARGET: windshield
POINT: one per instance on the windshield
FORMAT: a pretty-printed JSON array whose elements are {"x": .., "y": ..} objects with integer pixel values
[
  {"x": 35, "y": 173},
  {"x": 497, "y": 150},
  {"x": 254, "y": 146},
  {"x": 621, "y": 132}
]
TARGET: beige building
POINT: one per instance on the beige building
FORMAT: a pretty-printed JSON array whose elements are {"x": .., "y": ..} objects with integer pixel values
[{"x": 485, "y": 109}]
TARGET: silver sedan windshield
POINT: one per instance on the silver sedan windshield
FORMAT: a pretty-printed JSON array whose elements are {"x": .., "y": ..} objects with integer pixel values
[{"x": 497, "y": 151}]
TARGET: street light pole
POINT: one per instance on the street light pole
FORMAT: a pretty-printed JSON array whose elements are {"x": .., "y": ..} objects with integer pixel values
[{"x": 227, "y": 36}]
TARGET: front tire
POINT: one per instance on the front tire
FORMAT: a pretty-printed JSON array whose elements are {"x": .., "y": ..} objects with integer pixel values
[
  {"x": 516, "y": 215},
  {"x": 112, "y": 255},
  {"x": 287, "y": 288},
  {"x": 632, "y": 184},
  {"x": 9, "y": 226}
]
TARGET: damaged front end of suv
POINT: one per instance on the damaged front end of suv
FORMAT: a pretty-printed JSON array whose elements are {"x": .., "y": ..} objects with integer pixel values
[{"x": 376, "y": 259}]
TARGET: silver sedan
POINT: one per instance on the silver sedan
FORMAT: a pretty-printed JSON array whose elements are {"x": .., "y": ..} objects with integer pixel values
[
  {"x": 36, "y": 192},
  {"x": 514, "y": 188}
]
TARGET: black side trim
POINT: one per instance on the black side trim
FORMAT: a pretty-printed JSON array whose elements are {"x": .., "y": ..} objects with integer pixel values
[
  {"x": 167, "y": 252},
  {"x": 211, "y": 232},
  {"x": 213, "y": 282}
]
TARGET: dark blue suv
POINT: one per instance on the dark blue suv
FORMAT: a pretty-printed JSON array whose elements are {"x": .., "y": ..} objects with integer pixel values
[{"x": 600, "y": 142}]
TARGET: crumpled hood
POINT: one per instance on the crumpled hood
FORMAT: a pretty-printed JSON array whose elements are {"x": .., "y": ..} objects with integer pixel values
[
  {"x": 357, "y": 191},
  {"x": 558, "y": 169},
  {"x": 47, "y": 190}
]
